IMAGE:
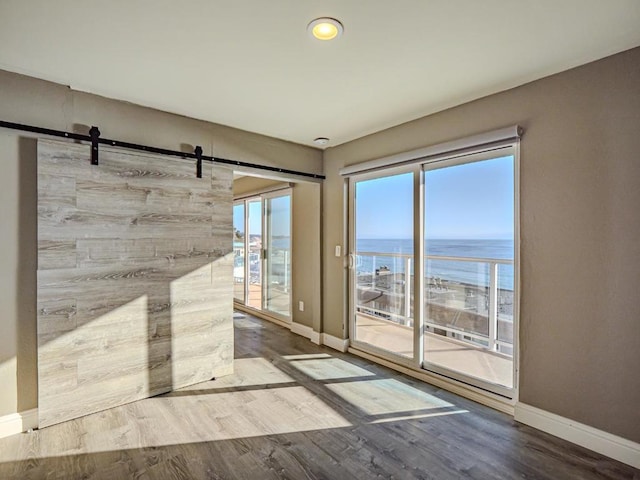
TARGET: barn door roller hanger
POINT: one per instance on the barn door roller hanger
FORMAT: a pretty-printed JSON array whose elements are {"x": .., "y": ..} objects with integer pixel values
[{"x": 95, "y": 140}]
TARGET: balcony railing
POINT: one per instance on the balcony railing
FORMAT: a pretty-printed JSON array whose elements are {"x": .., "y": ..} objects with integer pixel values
[{"x": 462, "y": 301}]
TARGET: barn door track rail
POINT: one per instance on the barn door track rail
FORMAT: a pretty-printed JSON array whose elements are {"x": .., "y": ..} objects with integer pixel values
[{"x": 95, "y": 140}]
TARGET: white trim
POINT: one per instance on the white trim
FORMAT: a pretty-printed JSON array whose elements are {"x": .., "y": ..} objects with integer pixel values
[
  {"x": 306, "y": 332},
  {"x": 516, "y": 271},
  {"x": 467, "y": 391},
  {"x": 301, "y": 330},
  {"x": 599, "y": 441},
  {"x": 460, "y": 145},
  {"x": 342, "y": 345},
  {"x": 466, "y": 379},
  {"x": 18, "y": 422}
]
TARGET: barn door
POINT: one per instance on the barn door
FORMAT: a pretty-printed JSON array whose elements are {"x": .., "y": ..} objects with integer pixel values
[{"x": 134, "y": 278}]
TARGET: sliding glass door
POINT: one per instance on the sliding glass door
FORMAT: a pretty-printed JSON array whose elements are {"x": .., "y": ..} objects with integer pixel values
[
  {"x": 262, "y": 263},
  {"x": 469, "y": 269},
  {"x": 382, "y": 262},
  {"x": 445, "y": 229},
  {"x": 277, "y": 280}
]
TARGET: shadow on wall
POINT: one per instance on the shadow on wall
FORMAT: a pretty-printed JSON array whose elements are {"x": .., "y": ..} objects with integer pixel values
[
  {"x": 119, "y": 347},
  {"x": 28, "y": 264}
]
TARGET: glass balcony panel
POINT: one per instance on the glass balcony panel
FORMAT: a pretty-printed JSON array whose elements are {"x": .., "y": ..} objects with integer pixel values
[
  {"x": 457, "y": 300},
  {"x": 505, "y": 309},
  {"x": 459, "y": 335},
  {"x": 381, "y": 285}
]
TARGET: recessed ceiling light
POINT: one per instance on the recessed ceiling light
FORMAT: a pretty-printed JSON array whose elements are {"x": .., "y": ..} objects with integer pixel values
[
  {"x": 321, "y": 141},
  {"x": 325, "y": 28}
]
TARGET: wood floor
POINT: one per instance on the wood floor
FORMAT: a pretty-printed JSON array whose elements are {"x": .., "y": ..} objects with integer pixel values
[{"x": 295, "y": 410}]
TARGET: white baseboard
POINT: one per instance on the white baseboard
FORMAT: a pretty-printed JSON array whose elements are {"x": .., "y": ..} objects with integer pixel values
[
  {"x": 18, "y": 422},
  {"x": 320, "y": 338},
  {"x": 342, "y": 345},
  {"x": 306, "y": 332},
  {"x": 599, "y": 441}
]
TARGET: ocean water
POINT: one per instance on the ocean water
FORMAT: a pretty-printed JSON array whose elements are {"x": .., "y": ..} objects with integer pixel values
[{"x": 476, "y": 273}]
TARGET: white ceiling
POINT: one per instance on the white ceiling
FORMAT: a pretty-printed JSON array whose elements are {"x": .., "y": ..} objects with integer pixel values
[{"x": 250, "y": 64}]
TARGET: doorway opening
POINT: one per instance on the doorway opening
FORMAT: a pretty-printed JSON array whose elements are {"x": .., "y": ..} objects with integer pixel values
[{"x": 262, "y": 246}]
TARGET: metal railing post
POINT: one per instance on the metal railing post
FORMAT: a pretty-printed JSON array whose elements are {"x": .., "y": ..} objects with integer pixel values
[
  {"x": 407, "y": 287},
  {"x": 286, "y": 270},
  {"x": 373, "y": 272},
  {"x": 493, "y": 306}
]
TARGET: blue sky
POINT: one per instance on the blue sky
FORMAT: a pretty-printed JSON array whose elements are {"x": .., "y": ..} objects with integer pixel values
[
  {"x": 238, "y": 217},
  {"x": 474, "y": 200}
]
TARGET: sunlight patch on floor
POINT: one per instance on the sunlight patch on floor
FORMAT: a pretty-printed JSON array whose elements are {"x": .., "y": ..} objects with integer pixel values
[
  {"x": 228, "y": 415},
  {"x": 377, "y": 397},
  {"x": 306, "y": 356},
  {"x": 330, "y": 368},
  {"x": 403, "y": 418},
  {"x": 247, "y": 372}
]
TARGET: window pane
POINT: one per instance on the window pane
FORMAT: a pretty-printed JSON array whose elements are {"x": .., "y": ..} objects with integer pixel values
[
  {"x": 469, "y": 251},
  {"x": 238, "y": 252},
  {"x": 384, "y": 263},
  {"x": 254, "y": 287},
  {"x": 278, "y": 264}
]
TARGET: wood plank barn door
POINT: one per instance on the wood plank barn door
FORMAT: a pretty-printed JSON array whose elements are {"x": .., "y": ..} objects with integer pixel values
[{"x": 135, "y": 277}]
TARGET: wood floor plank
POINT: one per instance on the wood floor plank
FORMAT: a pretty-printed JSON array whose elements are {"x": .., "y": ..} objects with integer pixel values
[{"x": 277, "y": 418}]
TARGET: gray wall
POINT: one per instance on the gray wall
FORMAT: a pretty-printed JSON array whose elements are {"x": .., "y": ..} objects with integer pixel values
[
  {"x": 307, "y": 278},
  {"x": 31, "y": 101},
  {"x": 580, "y": 225}
]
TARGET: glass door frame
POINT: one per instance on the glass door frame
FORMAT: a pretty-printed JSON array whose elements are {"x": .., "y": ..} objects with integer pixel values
[
  {"x": 418, "y": 340},
  {"x": 418, "y": 167},
  {"x": 479, "y": 156},
  {"x": 247, "y": 256},
  {"x": 265, "y": 197},
  {"x": 242, "y": 301}
]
